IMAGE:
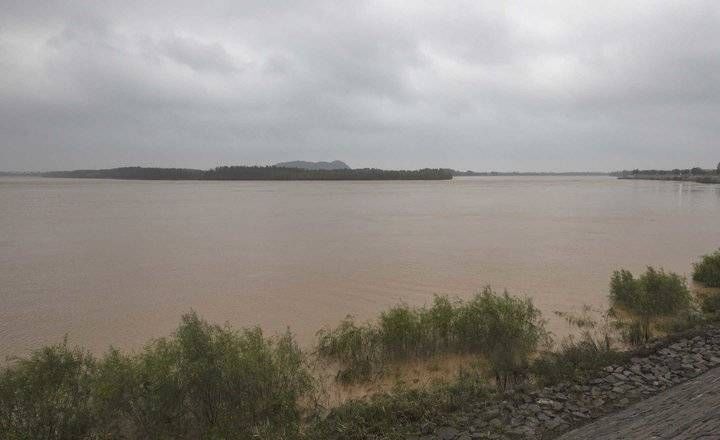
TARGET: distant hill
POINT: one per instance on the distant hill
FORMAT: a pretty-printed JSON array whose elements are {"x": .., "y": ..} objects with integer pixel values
[{"x": 334, "y": 165}]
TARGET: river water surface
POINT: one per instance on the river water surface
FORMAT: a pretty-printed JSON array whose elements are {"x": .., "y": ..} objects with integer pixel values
[{"x": 117, "y": 262}]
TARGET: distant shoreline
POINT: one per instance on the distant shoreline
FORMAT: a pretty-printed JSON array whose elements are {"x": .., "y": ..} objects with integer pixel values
[
  {"x": 697, "y": 179},
  {"x": 280, "y": 173},
  {"x": 456, "y": 173},
  {"x": 276, "y": 172}
]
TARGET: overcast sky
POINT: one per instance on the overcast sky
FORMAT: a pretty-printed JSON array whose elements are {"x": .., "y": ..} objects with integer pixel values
[{"x": 483, "y": 85}]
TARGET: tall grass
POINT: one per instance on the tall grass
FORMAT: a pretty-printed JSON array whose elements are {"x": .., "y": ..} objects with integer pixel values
[
  {"x": 388, "y": 415},
  {"x": 504, "y": 329}
]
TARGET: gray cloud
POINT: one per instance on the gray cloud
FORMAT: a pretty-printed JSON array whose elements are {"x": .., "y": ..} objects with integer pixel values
[
  {"x": 504, "y": 85},
  {"x": 198, "y": 56}
]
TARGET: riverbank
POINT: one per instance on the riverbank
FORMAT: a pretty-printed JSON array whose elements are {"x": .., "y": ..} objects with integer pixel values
[
  {"x": 553, "y": 410},
  {"x": 698, "y": 179},
  {"x": 611, "y": 362},
  {"x": 513, "y": 381},
  {"x": 196, "y": 369}
]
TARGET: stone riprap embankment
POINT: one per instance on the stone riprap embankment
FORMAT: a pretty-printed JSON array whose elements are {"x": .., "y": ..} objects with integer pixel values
[
  {"x": 553, "y": 410},
  {"x": 689, "y": 411}
]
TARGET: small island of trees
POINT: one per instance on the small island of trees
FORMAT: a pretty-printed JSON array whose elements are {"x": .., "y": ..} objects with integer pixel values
[{"x": 252, "y": 173}]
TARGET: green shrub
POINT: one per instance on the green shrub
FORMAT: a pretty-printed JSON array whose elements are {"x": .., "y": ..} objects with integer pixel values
[
  {"x": 407, "y": 332},
  {"x": 115, "y": 385},
  {"x": 439, "y": 319},
  {"x": 402, "y": 332},
  {"x": 707, "y": 271},
  {"x": 46, "y": 396},
  {"x": 211, "y": 382},
  {"x": 469, "y": 327},
  {"x": 653, "y": 295},
  {"x": 203, "y": 382},
  {"x": 509, "y": 330}
]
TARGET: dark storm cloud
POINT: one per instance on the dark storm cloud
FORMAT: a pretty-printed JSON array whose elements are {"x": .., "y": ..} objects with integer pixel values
[{"x": 481, "y": 85}]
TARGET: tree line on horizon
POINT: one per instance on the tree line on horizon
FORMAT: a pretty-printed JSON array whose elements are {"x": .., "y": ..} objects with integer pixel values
[
  {"x": 687, "y": 172},
  {"x": 527, "y": 173},
  {"x": 252, "y": 173}
]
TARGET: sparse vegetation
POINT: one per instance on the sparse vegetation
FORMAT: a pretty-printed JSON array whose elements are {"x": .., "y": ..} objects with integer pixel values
[
  {"x": 587, "y": 349},
  {"x": 388, "y": 415},
  {"x": 710, "y": 303},
  {"x": 707, "y": 271}
]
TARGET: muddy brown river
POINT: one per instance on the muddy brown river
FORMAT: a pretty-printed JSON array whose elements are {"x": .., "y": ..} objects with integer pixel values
[{"x": 117, "y": 262}]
